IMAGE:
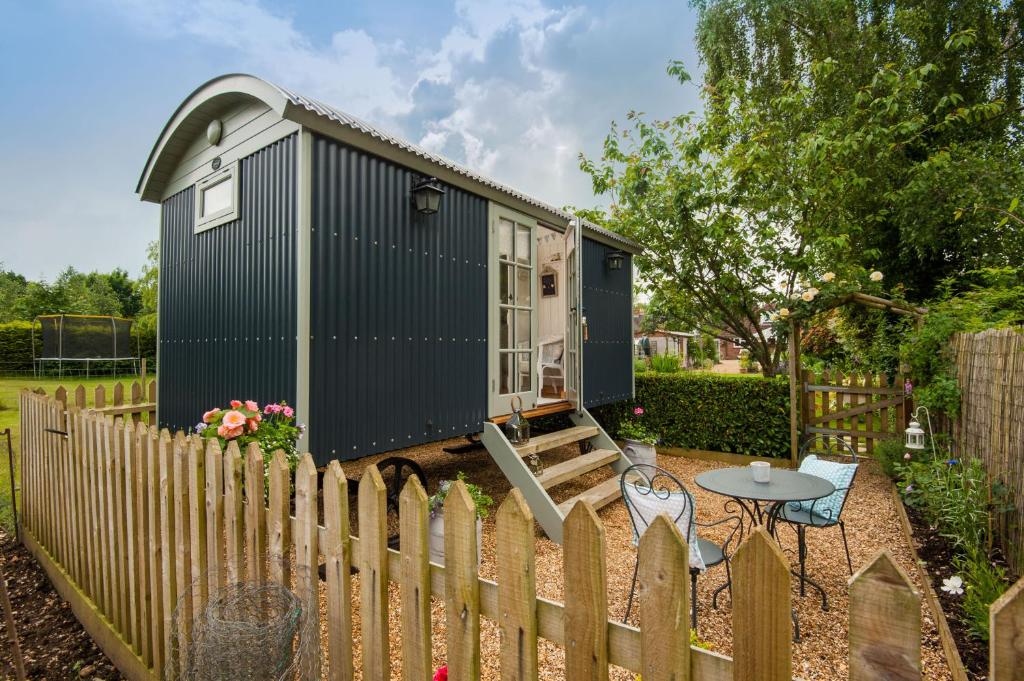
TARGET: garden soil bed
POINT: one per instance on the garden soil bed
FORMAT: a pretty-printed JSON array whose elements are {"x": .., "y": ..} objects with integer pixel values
[
  {"x": 53, "y": 643},
  {"x": 872, "y": 524},
  {"x": 936, "y": 554}
]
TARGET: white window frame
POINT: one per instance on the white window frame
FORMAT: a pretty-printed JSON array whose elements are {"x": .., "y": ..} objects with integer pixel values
[{"x": 226, "y": 174}]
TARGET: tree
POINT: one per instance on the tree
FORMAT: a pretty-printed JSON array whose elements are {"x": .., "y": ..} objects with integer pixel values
[
  {"x": 947, "y": 202},
  {"x": 744, "y": 208}
]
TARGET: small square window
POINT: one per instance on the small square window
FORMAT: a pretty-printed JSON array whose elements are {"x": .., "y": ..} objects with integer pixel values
[{"x": 217, "y": 199}]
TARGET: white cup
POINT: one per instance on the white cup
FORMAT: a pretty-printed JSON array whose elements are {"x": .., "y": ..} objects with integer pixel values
[{"x": 761, "y": 470}]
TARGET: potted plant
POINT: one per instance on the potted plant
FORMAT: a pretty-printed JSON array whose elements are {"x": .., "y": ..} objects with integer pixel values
[
  {"x": 639, "y": 439},
  {"x": 481, "y": 502},
  {"x": 272, "y": 427}
]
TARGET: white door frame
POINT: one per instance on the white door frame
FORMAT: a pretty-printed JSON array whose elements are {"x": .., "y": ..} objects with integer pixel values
[{"x": 498, "y": 402}]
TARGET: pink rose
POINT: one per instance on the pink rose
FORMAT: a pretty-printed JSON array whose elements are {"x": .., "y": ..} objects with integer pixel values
[
  {"x": 252, "y": 406},
  {"x": 639, "y": 411},
  {"x": 269, "y": 409},
  {"x": 211, "y": 416},
  {"x": 288, "y": 412},
  {"x": 253, "y": 424},
  {"x": 235, "y": 404},
  {"x": 222, "y": 430},
  {"x": 234, "y": 419},
  {"x": 234, "y": 432}
]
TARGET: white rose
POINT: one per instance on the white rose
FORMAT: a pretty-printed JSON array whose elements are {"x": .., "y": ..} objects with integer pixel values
[
  {"x": 784, "y": 312},
  {"x": 808, "y": 295},
  {"x": 876, "y": 276},
  {"x": 828, "y": 276}
]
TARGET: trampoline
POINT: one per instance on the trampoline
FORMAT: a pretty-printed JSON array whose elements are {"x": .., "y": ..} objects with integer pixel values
[{"x": 83, "y": 339}]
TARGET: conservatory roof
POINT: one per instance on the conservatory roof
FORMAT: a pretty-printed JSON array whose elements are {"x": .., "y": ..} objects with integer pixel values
[{"x": 203, "y": 105}]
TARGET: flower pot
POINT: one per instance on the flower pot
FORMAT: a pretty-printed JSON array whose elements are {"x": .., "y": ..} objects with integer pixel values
[
  {"x": 640, "y": 452},
  {"x": 435, "y": 539}
]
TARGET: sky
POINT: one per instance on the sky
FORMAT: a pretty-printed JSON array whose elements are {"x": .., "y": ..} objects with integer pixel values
[{"x": 514, "y": 89}]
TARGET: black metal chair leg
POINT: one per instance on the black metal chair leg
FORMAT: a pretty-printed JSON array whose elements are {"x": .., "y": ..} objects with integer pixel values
[
  {"x": 727, "y": 585},
  {"x": 693, "y": 599},
  {"x": 801, "y": 542},
  {"x": 842, "y": 529},
  {"x": 632, "y": 590}
]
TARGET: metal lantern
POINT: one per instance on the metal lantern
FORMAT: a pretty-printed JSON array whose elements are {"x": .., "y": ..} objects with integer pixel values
[
  {"x": 517, "y": 428},
  {"x": 915, "y": 435},
  {"x": 615, "y": 260},
  {"x": 426, "y": 196}
]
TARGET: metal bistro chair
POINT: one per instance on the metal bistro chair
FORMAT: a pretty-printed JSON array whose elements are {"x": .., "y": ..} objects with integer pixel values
[
  {"x": 649, "y": 491},
  {"x": 827, "y": 511}
]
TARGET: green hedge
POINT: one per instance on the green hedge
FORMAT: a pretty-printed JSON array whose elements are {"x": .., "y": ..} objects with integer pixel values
[
  {"x": 16, "y": 345},
  {"x": 720, "y": 412}
]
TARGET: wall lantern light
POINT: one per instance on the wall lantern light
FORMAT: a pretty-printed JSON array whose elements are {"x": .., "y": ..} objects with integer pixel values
[
  {"x": 915, "y": 434},
  {"x": 614, "y": 259},
  {"x": 426, "y": 195}
]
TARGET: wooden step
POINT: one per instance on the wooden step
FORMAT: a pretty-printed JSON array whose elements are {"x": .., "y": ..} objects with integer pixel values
[
  {"x": 575, "y": 467},
  {"x": 598, "y": 495},
  {"x": 536, "y": 412},
  {"x": 543, "y": 443}
]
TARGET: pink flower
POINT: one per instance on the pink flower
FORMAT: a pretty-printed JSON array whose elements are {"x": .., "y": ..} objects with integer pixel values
[
  {"x": 252, "y": 406},
  {"x": 288, "y": 412},
  {"x": 211, "y": 416},
  {"x": 441, "y": 674},
  {"x": 253, "y": 424},
  {"x": 229, "y": 433},
  {"x": 639, "y": 411},
  {"x": 235, "y": 404},
  {"x": 907, "y": 456},
  {"x": 234, "y": 419}
]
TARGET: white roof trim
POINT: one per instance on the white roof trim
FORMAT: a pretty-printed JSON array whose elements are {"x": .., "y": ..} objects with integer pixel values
[{"x": 294, "y": 107}]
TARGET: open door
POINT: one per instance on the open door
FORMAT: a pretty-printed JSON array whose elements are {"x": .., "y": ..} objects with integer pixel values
[
  {"x": 574, "y": 320},
  {"x": 513, "y": 326}
]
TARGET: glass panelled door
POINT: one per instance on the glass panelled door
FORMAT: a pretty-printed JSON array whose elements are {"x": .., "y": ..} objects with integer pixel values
[
  {"x": 513, "y": 328},
  {"x": 573, "y": 315}
]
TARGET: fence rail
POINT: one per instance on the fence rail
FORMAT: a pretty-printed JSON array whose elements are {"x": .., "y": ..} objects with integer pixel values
[
  {"x": 990, "y": 426},
  {"x": 124, "y": 518}
]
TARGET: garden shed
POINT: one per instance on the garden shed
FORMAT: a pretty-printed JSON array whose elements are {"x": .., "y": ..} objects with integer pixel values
[{"x": 394, "y": 297}]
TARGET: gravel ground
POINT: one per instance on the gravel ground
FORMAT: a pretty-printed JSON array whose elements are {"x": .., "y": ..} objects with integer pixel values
[{"x": 871, "y": 524}]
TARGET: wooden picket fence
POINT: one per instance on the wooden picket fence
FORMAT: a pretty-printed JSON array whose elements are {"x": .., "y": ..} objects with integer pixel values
[
  {"x": 834, "y": 403},
  {"x": 125, "y": 518}
]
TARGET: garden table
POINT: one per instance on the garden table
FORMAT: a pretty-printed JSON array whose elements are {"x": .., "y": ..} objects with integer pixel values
[{"x": 751, "y": 497}]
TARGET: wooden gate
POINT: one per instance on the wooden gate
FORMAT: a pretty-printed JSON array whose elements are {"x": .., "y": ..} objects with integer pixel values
[{"x": 859, "y": 408}]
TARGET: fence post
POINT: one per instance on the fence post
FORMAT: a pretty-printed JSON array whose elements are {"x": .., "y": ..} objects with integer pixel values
[
  {"x": 234, "y": 519},
  {"x": 307, "y": 554},
  {"x": 214, "y": 516},
  {"x": 885, "y": 622},
  {"x": 338, "y": 556},
  {"x": 664, "y": 603},
  {"x": 255, "y": 514},
  {"x": 761, "y": 612},
  {"x": 141, "y": 437},
  {"x": 373, "y": 575},
  {"x": 279, "y": 520},
  {"x": 168, "y": 584},
  {"x": 461, "y": 584},
  {"x": 1006, "y": 628},
  {"x": 586, "y": 596},
  {"x": 183, "y": 564},
  {"x": 517, "y": 589},
  {"x": 415, "y": 579}
]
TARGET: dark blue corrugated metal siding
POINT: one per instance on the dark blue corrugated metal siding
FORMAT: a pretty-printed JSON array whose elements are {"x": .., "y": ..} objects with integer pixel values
[
  {"x": 398, "y": 314},
  {"x": 227, "y": 295},
  {"x": 608, "y": 306}
]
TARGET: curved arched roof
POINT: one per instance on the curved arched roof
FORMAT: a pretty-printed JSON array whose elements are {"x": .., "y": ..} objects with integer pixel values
[{"x": 209, "y": 100}]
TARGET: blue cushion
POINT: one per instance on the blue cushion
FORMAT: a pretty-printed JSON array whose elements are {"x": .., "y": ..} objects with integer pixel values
[{"x": 839, "y": 474}]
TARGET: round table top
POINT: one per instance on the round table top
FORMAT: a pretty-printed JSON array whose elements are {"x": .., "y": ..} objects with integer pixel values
[{"x": 785, "y": 485}]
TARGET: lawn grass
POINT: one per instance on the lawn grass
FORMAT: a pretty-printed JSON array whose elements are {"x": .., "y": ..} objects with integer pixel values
[{"x": 9, "y": 391}]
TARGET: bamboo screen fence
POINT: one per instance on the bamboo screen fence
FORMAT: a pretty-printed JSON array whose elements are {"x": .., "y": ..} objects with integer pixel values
[
  {"x": 124, "y": 518},
  {"x": 990, "y": 369}
]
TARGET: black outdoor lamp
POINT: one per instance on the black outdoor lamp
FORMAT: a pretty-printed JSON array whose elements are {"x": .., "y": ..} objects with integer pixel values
[
  {"x": 426, "y": 195},
  {"x": 614, "y": 260}
]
